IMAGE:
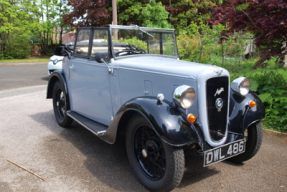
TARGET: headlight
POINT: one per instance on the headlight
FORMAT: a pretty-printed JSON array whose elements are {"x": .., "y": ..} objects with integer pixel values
[
  {"x": 184, "y": 96},
  {"x": 241, "y": 85}
]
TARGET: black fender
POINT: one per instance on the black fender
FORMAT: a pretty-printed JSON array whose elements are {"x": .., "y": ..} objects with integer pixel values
[
  {"x": 57, "y": 75},
  {"x": 168, "y": 122},
  {"x": 241, "y": 116}
]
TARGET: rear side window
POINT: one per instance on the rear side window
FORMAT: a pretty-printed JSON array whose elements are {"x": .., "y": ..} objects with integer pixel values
[{"x": 82, "y": 44}]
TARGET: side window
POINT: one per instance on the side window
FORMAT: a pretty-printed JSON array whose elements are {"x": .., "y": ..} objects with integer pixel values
[
  {"x": 100, "y": 42},
  {"x": 168, "y": 45},
  {"x": 82, "y": 44},
  {"x": 154, "y": 43}
]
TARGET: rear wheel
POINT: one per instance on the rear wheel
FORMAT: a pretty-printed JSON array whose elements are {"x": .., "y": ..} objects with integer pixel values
[
  {"x": 158, "y": 165},
  {"x": 254, "y": 136},
  {"x": 60, "y": 105}
]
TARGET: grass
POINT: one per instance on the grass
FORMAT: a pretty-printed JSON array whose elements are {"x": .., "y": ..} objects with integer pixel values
[{"x": 24, "y": 60}]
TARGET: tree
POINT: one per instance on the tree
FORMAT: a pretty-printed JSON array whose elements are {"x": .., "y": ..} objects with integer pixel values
[
  {"x": 183, "y": 13},
  {"x": 129, "y": 11},
  {"x": 16, "y": 23},
  {"x": 155, "y": 15},
  {"x": 62, "y": 9},
  {"x": 143, "y": 13},
  {"x": 266, "y": 19},
  {"x": 89, "y": 13}
]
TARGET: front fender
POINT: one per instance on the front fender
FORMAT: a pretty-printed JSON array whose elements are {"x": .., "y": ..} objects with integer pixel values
[
  {"x": 239, "y": 108},
  {"x": 168, "y": 122}
]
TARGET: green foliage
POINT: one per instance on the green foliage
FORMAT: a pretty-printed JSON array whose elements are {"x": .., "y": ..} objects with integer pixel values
[
  {"x": 130, "y": 11},
  {"x": 272, "y": 90},
  {"x": 18, "y": 48},
  {"x": 184, "y": 12},
  {"x": 29, "y": 19},
  {"x": 143, "y": 13},
  {"x": 188, "y": 47},
  {"x": 155, "y": 15}
]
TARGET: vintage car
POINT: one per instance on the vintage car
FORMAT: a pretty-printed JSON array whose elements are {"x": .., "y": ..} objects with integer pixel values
[{"x": 132, "y": 83}]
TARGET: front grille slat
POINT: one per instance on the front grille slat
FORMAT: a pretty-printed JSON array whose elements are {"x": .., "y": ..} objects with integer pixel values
[{"x": 217, "y": 120}]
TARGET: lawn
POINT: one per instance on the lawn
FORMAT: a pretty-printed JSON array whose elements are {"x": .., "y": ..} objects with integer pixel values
[{"x": 24, "y": 60}]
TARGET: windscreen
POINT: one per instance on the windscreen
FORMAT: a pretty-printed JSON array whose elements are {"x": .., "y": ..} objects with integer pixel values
[{"x": 132, "y": 42}]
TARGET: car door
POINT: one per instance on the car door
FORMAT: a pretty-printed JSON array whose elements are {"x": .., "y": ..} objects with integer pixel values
[{"x": 89, "y": 81}]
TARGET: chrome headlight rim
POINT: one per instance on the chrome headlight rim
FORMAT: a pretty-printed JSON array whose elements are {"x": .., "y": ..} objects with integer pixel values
[
  {"x": 241, "y": 85},
  {"x": 184, "y": 96}
]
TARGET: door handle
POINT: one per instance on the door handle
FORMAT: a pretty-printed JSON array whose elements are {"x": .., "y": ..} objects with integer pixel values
[{"x": 72, "y": 67}]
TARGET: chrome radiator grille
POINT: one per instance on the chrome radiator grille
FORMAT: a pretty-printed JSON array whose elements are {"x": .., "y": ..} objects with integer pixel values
[{"x": 217, "y": 106}]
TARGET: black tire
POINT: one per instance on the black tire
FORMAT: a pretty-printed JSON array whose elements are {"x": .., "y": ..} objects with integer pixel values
[
  {"x": 253, "y": 143},
  {"x": 158, "y": 166},
  {"x": 61, "y": 105}
]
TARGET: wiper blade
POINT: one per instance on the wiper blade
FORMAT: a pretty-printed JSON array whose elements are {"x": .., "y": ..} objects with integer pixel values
[{"x": 138, "y": 28}]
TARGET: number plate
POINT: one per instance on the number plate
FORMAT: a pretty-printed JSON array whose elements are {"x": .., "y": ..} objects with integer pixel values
[{"x": 224, "y": 152}]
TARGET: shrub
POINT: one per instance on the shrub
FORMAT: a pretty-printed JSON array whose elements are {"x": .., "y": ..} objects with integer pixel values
[
  {"x": 17, "y": 48},
  {"x": 272, "y": 90},
  {"x": 188, "y": 48}
]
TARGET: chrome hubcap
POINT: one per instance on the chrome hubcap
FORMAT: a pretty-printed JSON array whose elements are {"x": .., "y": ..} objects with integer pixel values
[{"x": 144, "y": 153}]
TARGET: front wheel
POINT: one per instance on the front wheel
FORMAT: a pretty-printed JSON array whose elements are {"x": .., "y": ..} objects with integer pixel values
[
  {"x": 60, "y": 105},
  {"x": 158, "y": 166},
  {"x": 254, "y": 139}
]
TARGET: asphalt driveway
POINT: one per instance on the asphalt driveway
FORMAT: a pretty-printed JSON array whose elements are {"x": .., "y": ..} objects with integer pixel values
[{"x": 23, "y": 75}]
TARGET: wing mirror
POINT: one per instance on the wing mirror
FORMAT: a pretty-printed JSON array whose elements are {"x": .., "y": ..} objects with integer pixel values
[
  {"x": 65, "y": 53},
  {"x": 102, "y": 58}
]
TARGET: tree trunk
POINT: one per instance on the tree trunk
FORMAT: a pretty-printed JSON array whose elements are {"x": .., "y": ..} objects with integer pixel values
[
  {"x": 222, "y": 50},
  {"x": 201, "y": 48},
  {"x": 61, "y": 34}
]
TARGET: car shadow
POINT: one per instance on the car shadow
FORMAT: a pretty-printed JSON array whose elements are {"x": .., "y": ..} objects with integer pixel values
[
  {"x": 194, "y": 170},
  {"x": 108, "y": 163},
  {"x": 233, "y": 164},
  {"x": 45, "y": 78}
]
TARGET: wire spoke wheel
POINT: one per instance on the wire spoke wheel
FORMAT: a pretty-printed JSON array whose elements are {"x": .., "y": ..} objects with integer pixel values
[
  {"x": 61, "y": 105},
  {"x": 158, "y": 165},
  {"x": 150, "y": 152}
]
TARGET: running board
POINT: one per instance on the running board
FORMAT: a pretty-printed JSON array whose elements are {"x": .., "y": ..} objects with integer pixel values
[{"x": 93, "y": 126}]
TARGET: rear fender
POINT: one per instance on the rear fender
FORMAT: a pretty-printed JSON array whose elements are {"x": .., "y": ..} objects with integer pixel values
[{"x": 54, "y": 77}]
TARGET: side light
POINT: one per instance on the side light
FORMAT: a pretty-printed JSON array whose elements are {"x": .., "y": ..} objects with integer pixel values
[
  {"x": 160, "y": 97},
  {"x": 252, "y": 104},
  {"x": 191, "y": 118},
  {"x": 241, "y": 85},
  {"x": 184, "y": 96}
]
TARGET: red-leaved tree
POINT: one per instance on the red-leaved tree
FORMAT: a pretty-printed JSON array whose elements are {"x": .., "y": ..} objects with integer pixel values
[
  {"x": 89, "y": 13},
  {"x": 266, "y": 19}
]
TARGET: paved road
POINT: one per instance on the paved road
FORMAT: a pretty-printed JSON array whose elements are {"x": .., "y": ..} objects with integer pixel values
[
  {"x": 76, "y": 160},
  {"x": 12, "y": 77}
]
